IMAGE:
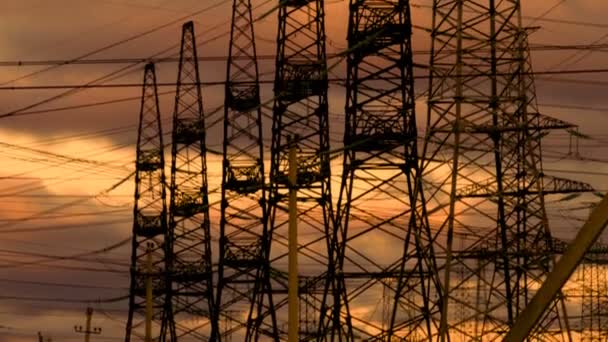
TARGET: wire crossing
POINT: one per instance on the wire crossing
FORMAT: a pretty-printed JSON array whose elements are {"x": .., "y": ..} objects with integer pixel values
[
  {"x": 482, "y": 147},
  {"x": 190, "y": 262},
  {"x": 243, "y": 267},
  {"x": 150, "y": 232}
]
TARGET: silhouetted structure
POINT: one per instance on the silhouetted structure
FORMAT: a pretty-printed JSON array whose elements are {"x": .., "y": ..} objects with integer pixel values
[
  {"x": 300, "y": 112},
  {"x": 381, "y": 166},
  {"x": 149, "y": 220},
  {"x": 189, "y": 261},
  {"x": 449, "y": 244},
  {"x": 483, "y": 152},
  {"x": 243, "y": 260}
]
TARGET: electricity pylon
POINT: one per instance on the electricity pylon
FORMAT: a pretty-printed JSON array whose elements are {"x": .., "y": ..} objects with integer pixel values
[
  {"x": 189, "y": 261},
  {"x": 594, "y": 299},
  {"x": 149, "y": 221},
  {"x": 483, "y": 171},
  {"x": 385, "y": 238},
  {"x": 300, "y": 113},
  {"x": 243, "y": 263}
]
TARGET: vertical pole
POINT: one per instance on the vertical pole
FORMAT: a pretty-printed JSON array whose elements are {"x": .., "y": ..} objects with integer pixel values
[
  {"x": 444, "y": 322},
  {"x": 293, "y": 245},
  {"x": 87, "y": 334},
  {"x": 87, "y": 329},
  {"x": 148, "y": 337},
  {"x": 572, "y": 257}
]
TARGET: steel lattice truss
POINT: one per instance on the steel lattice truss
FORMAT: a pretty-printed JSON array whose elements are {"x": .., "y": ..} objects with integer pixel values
[
  {"x": 589, "y": 291},
  {"x": 455, "y": 255},
  {"x": 300, "y": 113},
  {"x": 384, "y": 250},
  {"x": 592, "y": 285},
  {"x": 243, "y": 223},
  {"x": 483, "y": 171},
  {"x": 150, "y": 220},
  {"x": 190, "y": 261}
]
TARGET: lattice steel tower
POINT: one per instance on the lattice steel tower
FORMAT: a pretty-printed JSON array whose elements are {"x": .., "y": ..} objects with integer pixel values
[
  {"x": 149, "y": 221},
  {"x": 483, "y": 171},
  {"x": 588, "y": 289},
  {"x": 242, "y": 287},
  {"x": 593, "y": 285},
  {"x": 300, "y": 113},
  {"x": 190, "y": 262},
  {"x": 385, "y": 242}
]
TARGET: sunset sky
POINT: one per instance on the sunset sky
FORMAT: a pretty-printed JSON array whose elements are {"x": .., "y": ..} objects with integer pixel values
[{"x": 58, "y": 163}]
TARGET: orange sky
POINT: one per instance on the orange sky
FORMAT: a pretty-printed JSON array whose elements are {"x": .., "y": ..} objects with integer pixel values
[{"x": 34, "y": 182}]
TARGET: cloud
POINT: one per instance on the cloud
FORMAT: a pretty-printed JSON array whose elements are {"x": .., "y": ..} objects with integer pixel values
[{"x": 36, "y": 30}]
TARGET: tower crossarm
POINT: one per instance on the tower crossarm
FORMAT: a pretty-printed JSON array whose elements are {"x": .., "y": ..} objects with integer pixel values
[
  {"x": 557, "y": 185},
  {"x": 552, "y": 185}
]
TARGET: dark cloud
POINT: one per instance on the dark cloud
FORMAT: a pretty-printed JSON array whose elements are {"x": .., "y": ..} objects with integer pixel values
[{"x": 37, "y": 30}]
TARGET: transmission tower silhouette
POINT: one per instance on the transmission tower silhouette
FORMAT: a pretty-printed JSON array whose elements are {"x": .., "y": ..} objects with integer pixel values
[
  {"x": 149, "y": 221},
  {"x": 300, "y": 117},
  {"x": 243, "y": 259},
  {"x": 381, "y": 166},
  {"x": 483, "y": 154},
  {"x": 593, "y": 285},
  {"x": 190, "y": 262},
  {"x": 449, "y": 244}
]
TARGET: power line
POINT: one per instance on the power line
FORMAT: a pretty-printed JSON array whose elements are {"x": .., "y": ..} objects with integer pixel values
[
  {"x": 584, "y": 108},
  {"x": 74, "y": 257},
  {"x": 337, "y": 80},
  {"x": 47, "y": 228},
  {"x": 117, "y": 73},
  {"x": 65, "y": 300},
  {"x": 547, "y": 12},
  {"x": 223, "y": 59},
  {"x": 120, "y": 42},
  {"x": 53, "y": 284},
  {"x": 541, "y": 18}
]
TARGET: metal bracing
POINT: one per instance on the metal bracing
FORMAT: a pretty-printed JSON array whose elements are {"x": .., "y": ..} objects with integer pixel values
[
  {"x": 300, "y": 112},
  {"x": 483, "y": 170},
  {"x": 580, "y": 249},
  {"x": 149, "y": 222},
  {"x": 588, "y": 289},
  {"x": 243, "y": 223},
  {"x": 190, "y": 262},
  {"x": 385, "y": 242},
  {"x": 594, "y": 300}
]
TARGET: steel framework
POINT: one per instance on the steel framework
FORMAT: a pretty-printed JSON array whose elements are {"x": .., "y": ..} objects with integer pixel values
[
  {"x": 484, "y": 173},
  {"x": 592, "y": 291},
  {"x": 243, "y": 224},
  {"x": 189, "y": 262},
  {"x": 300, "y": 113},
  {"x": 149, "y": 220},
  {"x": 385, "y": 242}
]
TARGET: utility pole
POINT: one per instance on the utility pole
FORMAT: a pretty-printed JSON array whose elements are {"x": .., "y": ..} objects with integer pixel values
[
  {"x": 301, "y": 109},
  {"x": 149, "y": 298},
  {"x": 41, "y": 338},
  {"x": 293, "y": 244},
  {"x": 87, "y": 331}
]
